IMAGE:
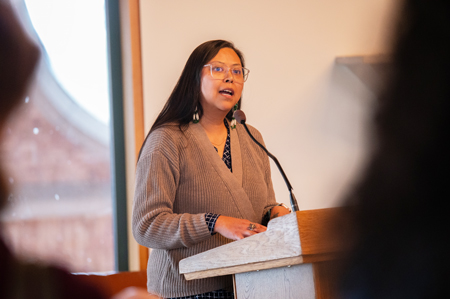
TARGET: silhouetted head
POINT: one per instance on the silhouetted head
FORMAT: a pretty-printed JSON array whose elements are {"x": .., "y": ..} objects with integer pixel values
[{"x": 18, "y": 58}]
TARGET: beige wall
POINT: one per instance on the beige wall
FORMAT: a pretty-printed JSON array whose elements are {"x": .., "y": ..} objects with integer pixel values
[{"x": 312, "y": 113}]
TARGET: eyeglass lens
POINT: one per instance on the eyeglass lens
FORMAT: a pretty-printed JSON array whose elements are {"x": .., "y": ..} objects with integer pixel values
[{"x": 221, "y": 71}]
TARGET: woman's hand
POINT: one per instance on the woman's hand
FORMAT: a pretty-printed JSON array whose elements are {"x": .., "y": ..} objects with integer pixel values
[
  {"x": 237, "y": 229},
  {"x": 278, "y": 211}
]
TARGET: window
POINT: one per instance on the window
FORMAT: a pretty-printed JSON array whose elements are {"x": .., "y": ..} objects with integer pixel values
[{"x": 57, "y": 147}]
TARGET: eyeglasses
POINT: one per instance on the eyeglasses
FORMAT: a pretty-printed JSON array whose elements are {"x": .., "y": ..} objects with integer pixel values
[{"x": 220, "y": 71}]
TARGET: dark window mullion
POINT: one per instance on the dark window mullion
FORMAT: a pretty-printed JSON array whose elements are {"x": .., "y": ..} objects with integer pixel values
[{"x": 119, "y": 194}]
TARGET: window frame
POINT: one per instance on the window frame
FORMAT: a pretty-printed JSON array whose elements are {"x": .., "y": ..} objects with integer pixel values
[{"x": 118, "y": 167}]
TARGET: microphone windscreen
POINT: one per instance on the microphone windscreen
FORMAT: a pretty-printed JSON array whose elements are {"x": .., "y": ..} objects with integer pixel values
[{"x": 239, "y": 115}]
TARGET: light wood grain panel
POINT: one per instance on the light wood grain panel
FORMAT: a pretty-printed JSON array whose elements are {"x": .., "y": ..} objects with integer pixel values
[
  {"x": 287, "y": 283},
  {"x": 281, "y": 240},
  {"x": 287, "y": 262}
]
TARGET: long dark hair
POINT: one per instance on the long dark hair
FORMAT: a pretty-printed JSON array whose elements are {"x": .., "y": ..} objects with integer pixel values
[{"x": 185, "y": 97}]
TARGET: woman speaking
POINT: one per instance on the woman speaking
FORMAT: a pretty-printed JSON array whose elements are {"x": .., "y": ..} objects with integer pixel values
[{"x": 201, "y": 182}]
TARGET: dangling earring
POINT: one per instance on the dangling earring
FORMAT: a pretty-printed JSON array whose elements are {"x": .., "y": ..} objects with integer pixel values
[
  {"x": 233, "y": 120},
  {"x": 195, "y": 118}
]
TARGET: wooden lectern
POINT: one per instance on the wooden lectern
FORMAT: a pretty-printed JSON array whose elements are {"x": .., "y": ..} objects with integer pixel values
[{"x": 290, "y": 260}]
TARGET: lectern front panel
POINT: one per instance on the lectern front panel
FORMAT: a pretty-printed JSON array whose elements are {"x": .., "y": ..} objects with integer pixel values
[{"x": 287, "y": 282}]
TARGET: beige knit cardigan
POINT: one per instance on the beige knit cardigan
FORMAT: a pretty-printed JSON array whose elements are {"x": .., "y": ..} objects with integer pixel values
[{"x": 179, "y": 178}]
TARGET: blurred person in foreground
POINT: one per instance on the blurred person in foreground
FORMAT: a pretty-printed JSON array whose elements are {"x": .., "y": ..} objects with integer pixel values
[
  {"x": 18, "y": 59},
  {"x": 399, "y": 225}
]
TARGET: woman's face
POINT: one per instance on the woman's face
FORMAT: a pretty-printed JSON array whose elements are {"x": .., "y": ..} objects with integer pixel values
[{"x": 218, "y": 96}]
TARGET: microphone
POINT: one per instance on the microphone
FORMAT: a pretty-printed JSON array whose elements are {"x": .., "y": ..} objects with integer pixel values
[{"x": 239, "y": 115}]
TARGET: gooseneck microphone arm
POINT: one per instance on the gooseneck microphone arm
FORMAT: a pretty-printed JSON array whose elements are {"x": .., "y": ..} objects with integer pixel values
[{"x": 239, "y": 115}]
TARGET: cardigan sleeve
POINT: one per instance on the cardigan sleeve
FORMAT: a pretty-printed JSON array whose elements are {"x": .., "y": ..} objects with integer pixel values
[{"x": 153, "y": 221}]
